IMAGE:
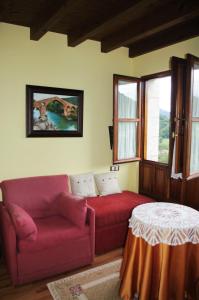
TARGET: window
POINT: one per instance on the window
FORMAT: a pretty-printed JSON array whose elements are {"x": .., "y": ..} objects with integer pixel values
[
  {"x": 193, "y": 116},
  {"x": 170, "y": 118},
  {"x": 169, "y": 169},
  {"x": 157, "y": 118},
  {"x": 126, "y": 119},
  {"x": 194, "y": 164}
]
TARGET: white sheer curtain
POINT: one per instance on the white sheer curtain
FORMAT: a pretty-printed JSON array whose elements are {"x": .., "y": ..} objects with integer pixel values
[
  {"x": 126, "y": 140},
  {"x": 173, "y": 173},
  {"x": 127, "y": 106},
  {"x": 194, "y": 163},
  {"x": 127, "y": 109},
  {"x": 195, "y": 109}
]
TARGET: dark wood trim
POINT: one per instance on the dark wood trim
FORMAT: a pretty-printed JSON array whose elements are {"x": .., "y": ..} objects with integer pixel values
[
  {"x": 156, "y": 75},
  {"x": 191, "y": 191},
  {"x": 192, "y": 176},
  {"x": 192, "y": 58},
  {"x": 122, "y": 161},
  {"x": 115, "y": 123},
  {"x": 188, "y": 116},
  {"x": 151, "y": 162},
  {"x": 165, "y": 38},
  {"x": 126, "y": 78},
  {"x": 153, "y": 180},
  {"x": 52, "y": 16},
  {"x": 127, "y": 120},
  {"x": 178, "y": 69}
]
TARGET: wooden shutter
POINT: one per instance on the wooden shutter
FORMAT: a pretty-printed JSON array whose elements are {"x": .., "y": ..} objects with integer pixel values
[{"x": 178, "y": 81}]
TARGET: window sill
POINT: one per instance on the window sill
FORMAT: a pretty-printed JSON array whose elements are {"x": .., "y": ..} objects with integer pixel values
[{"x": 123, "y": 161}]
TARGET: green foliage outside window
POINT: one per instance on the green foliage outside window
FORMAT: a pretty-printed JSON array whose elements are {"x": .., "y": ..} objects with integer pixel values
[{"x": 164, "y": 137}]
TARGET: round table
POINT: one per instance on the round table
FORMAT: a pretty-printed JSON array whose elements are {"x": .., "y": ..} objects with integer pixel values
[{"x": 161, "y": 256}]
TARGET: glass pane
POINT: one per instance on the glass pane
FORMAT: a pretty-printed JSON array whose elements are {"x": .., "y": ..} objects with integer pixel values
[
  {"x": 127, "y": 140},
  {"x": 158, "y": 107},
  {"x": 194, "y": 165},
  {"x": 127, "y": 99},
  {"x": 195, "y": 99}
]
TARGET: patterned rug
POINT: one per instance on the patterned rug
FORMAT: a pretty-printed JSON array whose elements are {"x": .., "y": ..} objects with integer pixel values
[{"x": 100, "y": 283}]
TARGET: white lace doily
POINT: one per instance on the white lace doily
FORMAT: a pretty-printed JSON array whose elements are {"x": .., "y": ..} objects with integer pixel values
[{"x": 167, "y": 223}]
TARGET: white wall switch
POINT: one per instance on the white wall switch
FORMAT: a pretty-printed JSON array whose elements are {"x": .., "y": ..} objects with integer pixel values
[{"x": 114, "y": 168}]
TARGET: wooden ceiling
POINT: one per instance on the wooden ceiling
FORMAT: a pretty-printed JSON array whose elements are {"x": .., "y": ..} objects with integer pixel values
[{"x": 140, "y": 25}]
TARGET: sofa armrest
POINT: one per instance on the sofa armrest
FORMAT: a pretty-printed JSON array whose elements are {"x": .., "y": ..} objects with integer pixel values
[
  {"x": 91, "y": 222},
  {"x": 9, "y": 242}
]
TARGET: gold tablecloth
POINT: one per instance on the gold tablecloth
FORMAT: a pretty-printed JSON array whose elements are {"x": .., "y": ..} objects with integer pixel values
[{"x": 160, "y": 272}]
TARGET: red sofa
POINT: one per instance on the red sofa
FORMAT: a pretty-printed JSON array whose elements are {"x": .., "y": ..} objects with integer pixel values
[
  {"x": 60, "y": 245},
  {"x": 112, "y": 213}
]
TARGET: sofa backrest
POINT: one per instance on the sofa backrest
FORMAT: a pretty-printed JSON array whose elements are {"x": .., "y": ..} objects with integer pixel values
[{"x": 34, "y": 194}]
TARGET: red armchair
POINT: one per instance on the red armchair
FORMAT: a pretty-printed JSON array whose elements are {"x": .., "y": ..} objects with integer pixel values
[{"x": 60, "y": 245}]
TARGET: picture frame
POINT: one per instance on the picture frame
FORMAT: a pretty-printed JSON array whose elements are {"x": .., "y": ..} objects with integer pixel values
[{"x": 53, "y": 112}]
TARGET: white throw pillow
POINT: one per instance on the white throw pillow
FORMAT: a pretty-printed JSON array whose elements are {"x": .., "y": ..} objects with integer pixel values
[
  {"x": 83, "y": 185},
  {"x": 107, "y": 183}
]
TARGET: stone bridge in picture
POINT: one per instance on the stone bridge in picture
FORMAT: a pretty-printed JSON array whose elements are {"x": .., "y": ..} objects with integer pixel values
[{"x": 68, "y": 108}]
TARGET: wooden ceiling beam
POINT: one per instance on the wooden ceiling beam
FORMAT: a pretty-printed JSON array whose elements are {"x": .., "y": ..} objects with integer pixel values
[
  {"x": 48, "y": 18},
  {"x": 148, "y": 26},
  {"x": 165, "y": 38},
  {"x": 132, "y": 10},
  {"x": 5, "y": 5}
]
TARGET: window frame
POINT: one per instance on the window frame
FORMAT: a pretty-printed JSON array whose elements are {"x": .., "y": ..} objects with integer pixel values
[
  {"x": 178, "y": 100},
  {"x": 144, "y": 130},
  {"x": 189, "y": 119},
  {"x": 116, "y": 120}
]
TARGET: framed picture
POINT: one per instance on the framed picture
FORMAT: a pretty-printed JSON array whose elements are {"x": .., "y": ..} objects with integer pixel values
[{"x": 53, "y": 112}]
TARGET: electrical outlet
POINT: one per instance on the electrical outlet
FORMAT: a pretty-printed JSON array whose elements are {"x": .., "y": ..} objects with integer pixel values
[{"x": 114, "y": 168}]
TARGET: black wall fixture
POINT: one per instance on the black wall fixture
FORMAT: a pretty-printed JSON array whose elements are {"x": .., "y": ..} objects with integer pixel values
[{"x": 110, "y": 128}]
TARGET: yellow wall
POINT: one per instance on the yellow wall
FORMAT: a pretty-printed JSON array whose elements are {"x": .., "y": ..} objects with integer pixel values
[{"x": 50, "y": 62}]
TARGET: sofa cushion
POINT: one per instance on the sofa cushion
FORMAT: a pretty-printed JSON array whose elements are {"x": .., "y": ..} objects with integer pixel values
[
  {"x": 52, "y": 231},
  {"x": 107, "y": 183},
  {"x": 83, "y": 185},
  {"x": 73, "y": 208},
  {"x": 114, "y": 209},
  {"x": 34, "y": 194},
  {"x": 23, "y": 223}
]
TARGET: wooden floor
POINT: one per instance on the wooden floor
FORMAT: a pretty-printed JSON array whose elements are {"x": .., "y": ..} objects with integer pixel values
[{"x": 38, "y": 290}]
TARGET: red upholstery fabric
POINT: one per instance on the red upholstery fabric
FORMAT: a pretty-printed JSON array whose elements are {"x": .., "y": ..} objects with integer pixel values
[
  {"x": 34, "y": 194},
  {"x": 65, "y": 257},
  {"x": 60, "y": 246},
  {"x": 112, "y": 213},
  {"x": 24, "y": 225},
  {"x": 116, "y": 208},
  {"x": 110, "y": 237},
  {"x": 52, "y": 231},
  {"x": 73, "y": 208},
  {"x": 9, "y": 243}
]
